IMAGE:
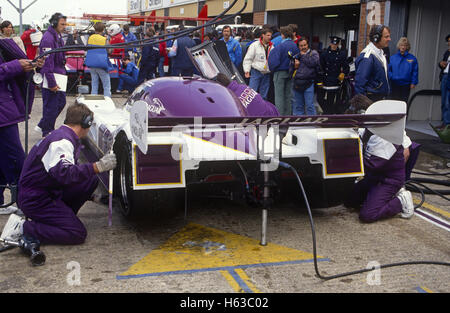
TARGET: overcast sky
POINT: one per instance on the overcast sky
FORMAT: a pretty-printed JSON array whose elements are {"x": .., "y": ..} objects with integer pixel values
[{"x": 67, "y": 7}]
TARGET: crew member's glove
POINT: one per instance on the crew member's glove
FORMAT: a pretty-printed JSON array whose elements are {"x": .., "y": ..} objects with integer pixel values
[
  {"x": 341, "y": 77},
  {"x": 107, "y": 163}
]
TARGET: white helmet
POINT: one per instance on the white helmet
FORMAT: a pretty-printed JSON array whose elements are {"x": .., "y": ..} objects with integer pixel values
[
  {"x": 36, "y": 25},
  {"x": 114, "y": 29}
]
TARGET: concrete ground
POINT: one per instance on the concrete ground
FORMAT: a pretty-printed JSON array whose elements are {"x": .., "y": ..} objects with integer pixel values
[{"x": 223, "y": 255}]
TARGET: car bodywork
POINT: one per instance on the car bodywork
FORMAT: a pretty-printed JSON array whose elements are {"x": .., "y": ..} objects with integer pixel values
[{"x": 199, "y": 134}]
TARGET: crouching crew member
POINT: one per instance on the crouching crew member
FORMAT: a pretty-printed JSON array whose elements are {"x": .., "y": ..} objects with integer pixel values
[
  {"x": 387, "y": 166},
  {"x": 53, "y": 185},
  {"x": 129, "y": 78}
]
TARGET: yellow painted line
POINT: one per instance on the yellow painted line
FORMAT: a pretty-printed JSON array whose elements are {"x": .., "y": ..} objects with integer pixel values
[
  {"x": 423, "y": 289},
  {"x": 233, "y": 283},
  {"x": 246, "y": 279},
  {"x": 432, "y": 208},
  {"x": 197, "y": 248}
]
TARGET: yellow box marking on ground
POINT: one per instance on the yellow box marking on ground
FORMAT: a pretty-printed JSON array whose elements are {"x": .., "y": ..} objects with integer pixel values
[
  {"x": 432, "y": 208},
  {"x": 200, "y": 248}
]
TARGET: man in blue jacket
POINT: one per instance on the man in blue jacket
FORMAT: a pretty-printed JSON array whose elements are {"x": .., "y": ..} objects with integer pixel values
[
  {"x": 128, "y": 80},
  {"x": 279, "y": 60},
  {"x": 181, "y": 62},
  {"x": 371, "y": 66},
  {"x": 53, "y": 98},
  {"x": 233, "y": 46},
  {"x": 403, "y": 71},
  {"x": 128, "y": 36},
  {"x": 149, "y": 60}
]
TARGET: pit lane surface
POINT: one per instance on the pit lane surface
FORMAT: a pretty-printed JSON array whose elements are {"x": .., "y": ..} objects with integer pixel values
[{"x": 216, "y": 249}]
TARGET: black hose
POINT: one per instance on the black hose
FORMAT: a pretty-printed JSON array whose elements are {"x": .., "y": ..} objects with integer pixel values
[
  {"x": 428, "y": 190},
  {"x": 288, "y": 166},
  {"x": 431, "y": 174},
  {"x": 432, "y": 181}
]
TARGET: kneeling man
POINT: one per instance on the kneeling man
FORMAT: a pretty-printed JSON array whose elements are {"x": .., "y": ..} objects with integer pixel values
[{"x": 53, "y": 185}]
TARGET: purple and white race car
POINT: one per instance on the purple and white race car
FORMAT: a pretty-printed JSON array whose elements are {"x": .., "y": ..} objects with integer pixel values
[{"x": 176, "y": 134}]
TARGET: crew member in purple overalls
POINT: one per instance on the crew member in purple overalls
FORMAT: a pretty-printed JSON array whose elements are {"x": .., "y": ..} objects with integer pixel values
[
  {"x": 14, "y": 67},
  {"x": 53, "y": 185},
  {"x": 53, "y": 99},
  {"x": 387, "y": 167},
  {"x": 252, "y": 101}
]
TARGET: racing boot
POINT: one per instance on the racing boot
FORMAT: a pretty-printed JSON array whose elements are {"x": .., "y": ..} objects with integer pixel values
[
  {"x": 13, "y": 229},
  {"x": 405, "y": 198}
]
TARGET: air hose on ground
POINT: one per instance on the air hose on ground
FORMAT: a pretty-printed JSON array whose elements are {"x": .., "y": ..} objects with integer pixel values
[{"x": 313, "y": 231}]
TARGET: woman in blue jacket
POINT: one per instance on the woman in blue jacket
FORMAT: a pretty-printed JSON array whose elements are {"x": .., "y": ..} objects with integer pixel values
[{"x": 403, "y": 71}]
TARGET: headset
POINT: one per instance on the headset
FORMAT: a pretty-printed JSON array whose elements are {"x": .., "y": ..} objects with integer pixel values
[
  {"x": 54, "y": 20},
  {"x": 87, "y": 120},
  {"x": 376, "y": 33}
]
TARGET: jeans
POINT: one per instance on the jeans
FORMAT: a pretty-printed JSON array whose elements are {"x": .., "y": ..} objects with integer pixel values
[
  {"x": 260, "y": 82},
  {"x": 445, "y": 101},
  {"x": 283, "y": 92},
  {"x": 127, "y": 82},
  {"x": 161, "y": 67},
  {"x": 302, "y": 100},
  {"x": 106, "y": 81}
]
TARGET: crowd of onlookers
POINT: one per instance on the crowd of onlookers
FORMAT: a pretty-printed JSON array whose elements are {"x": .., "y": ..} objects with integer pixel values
[{"x": 278, "y": 63}]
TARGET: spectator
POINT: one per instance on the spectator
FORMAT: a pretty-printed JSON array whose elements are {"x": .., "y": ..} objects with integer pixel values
[
  {"x": 150, "y": 58},
  {"x": 162, "y": 56},
  {"x": 276, "y": 35},
  {"x": 256, "y": 63},
  {"x": 279, "y": 60},
  {"x": 54, "y": 100},
  {"x": 7, "y": 31},
  {"x": 98, "y": 62},
  {"x": 116, "y": 37},
  {"x": 403, "y": 71},
  {"x": 128, "y": 80},
  {"x": 445, "y": 90},
  {"x": 13, "y": 86},
  {"x": 26, "y": 39},
  {"x": 233, "y": 46},
  {"x": 371, "y": 77},
  {"x": 304, "y": 70},
  {"x": 295, "y": 36},
  {"x": 182, "y": 64},
  {"x": 334, "y": 66},
  {"x": 196, "y": 38},
  {"x": 129, "y": 37}
]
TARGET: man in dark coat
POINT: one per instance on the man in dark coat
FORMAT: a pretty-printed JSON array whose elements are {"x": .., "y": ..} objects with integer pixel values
[
  {"x": 334, "y": 66},
  {"x": 149, "y": 60}
]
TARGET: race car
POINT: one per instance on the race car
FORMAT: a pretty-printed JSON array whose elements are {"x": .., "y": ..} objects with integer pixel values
[{"x": 176, "y": 134}]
